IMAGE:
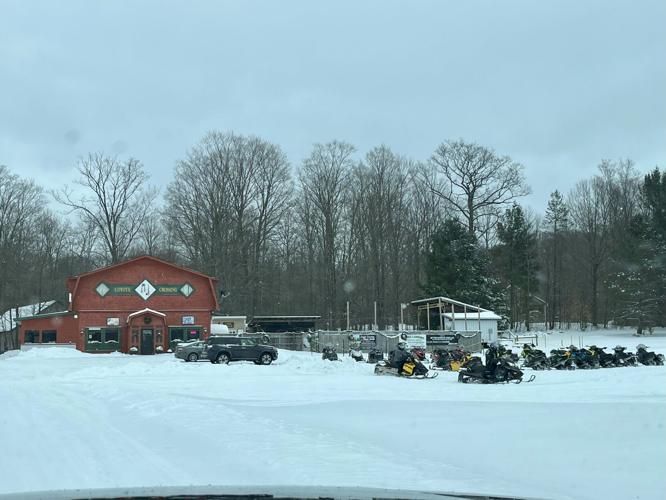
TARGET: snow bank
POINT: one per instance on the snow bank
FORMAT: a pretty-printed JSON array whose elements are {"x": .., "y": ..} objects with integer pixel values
[{"x": 109, "y": 420}]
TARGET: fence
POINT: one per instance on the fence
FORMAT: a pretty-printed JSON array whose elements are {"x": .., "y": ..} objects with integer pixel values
[
  {"x": 9, "y": 341},
  {"x": 386, "y": 341}
]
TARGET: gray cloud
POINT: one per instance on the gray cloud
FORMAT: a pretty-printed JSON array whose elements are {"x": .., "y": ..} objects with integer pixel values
[{"x": 557, "y": 85}]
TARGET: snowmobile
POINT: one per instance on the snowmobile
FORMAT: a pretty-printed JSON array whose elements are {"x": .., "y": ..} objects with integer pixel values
[
  {"x": 605, "y": 359},
  {"x": 648, "y": 358},
  {"x": 412, "y": 368},
  {"x": 583, "y": 358},
  {"x": 329, "y": 353},
  {"x": 624, "y": 358},
  {"x": 503, "y": 352},
  {"x": 356, "y": 354},
  {"x": 375, "y": 355},
  {"x": 534, "y": 358},
  {"x": 504, "y": 371},
  {"x": 560, "y": 359},
  {"x": 443, "y": 359}
]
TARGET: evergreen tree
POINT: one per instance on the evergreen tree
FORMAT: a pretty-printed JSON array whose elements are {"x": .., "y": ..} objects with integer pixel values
[
  {"x": 516, "y": 257},
  {"x": 458, "y": 268},
  {"x": 557, "y": 220}
]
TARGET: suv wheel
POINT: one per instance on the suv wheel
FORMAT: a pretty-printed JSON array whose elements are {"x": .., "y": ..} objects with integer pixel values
[
  {"x": 192, "y": 356},
  {"x": 223, "y": 358},
  {"x": 266, "y": 359}
]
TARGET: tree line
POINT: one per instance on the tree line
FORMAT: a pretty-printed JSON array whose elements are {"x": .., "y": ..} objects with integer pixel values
[{"x": 375, "y": 230}]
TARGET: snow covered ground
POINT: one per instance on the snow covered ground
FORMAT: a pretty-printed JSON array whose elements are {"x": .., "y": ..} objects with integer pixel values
[{"x": 74, "y": 420}]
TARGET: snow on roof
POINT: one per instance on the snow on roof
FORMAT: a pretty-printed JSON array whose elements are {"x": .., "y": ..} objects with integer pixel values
[
  {"x": 7, "y": 324},
  {"x": 147, "y": 310},
  {"x": 472, "y": 315}
]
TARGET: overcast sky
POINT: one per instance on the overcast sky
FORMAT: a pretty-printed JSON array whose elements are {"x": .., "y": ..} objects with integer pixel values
[{"x": 557, "y": 85}]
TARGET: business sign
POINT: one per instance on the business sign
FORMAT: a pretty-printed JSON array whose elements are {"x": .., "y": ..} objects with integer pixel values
[
  {"x": 188, "y": 320},
  {"x": 414, "y": 340},
  {"x": 145, "y": 289},
  {"x": 441, "y": 339},
  {"x": 367, "y": 341},
  {"x": 112, "y": 321}
]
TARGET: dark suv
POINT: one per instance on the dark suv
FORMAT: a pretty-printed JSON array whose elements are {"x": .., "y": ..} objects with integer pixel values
[{"x": 242, "y": 349}]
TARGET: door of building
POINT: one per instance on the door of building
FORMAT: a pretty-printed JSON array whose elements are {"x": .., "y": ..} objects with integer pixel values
[{"x": 147, "y": 341}]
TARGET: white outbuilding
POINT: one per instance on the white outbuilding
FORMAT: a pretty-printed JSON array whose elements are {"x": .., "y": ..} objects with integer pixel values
[
  {"x": 446, "y": 314},
  {"x": 481, "y": 321}
]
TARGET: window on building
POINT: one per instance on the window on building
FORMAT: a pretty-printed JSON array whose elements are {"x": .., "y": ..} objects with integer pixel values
[
  {"x": 48, "y": 336},
  {"x": 176, "y": 334},
  {"x": 94, "y": 335},
  {"x": 31, "y": 337},
  {"x": 111, "y": 335},
  {"x": 193, "y": 334}
]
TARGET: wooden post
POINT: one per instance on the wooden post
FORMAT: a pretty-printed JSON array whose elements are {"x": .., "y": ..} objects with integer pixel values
[
  {"x": 374, "y": 326},
  {"x": 402, "y": 317},
  {"x": 465, "y": 311},
  {"x": 347, "y": 315},
  {"x": 441, "y": 316},
  {"x": 478, "y": 310},
  {"x": 428, "y": 314},
  {"x": 453, "y": 316}
]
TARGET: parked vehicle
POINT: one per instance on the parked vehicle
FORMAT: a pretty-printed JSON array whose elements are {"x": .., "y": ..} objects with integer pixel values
[
  {"x": 502, "y": 370},
  {"x": 191, "y": 351},
  {"x": 198, "y": 349},
  {"x": 356, "y": 353},
  {"x": 561, "y": 359},
  {"x": 534, "y": 358},
  {"x": 411, "y": 368},
  {"x": 375, "y": 355},
  {"x": 242, "y": 349},
  {"x": 329, "y": 353},
  {"x": 623, "y": 358},
  {"x": 648, "y": 358},
  {"x": 443, "y": 359},
  {"x": 603, "y": 358}
]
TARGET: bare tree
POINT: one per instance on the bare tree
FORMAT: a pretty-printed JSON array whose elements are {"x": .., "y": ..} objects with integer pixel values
[
  {"x": 152, "y": 234},
  {"x": 113, "y": 200},
  {"x": 589, "y": 208},
  {"x": 477, "y": 179},
  {"x": 324, "y": 181},
  {"x": 21, "y": 204},
  {"x": 223, "y": 207}
]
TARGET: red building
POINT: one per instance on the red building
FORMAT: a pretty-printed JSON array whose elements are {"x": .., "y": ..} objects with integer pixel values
[{"x": 141, "y": 306}]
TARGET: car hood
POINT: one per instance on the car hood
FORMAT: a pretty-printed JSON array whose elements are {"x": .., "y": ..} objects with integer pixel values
[{"x": 251, "y": 492}]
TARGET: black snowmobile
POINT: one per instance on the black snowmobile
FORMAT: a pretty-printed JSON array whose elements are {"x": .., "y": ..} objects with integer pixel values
[
  {"x": 504, "y": 371},
  {"x": 534, "y": 358},
  {"x": 375, "y": 355},
  {"x": 605, "y": 359},
  {"x": 624, "y": 358},
  {"x": 403, "y": 364},
  {"x": 329, "y": 353},
  {"x": 441, "y": 359},
  {"x": 508, "y": 354},
  {"x": 498, "y": 369},
  {"x": 648, "y": 358},
  {"x": 560, "y": 359},
  {"x": 583, "y": 358}
]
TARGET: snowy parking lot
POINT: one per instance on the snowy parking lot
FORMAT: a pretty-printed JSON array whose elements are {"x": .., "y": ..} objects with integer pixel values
[{"x": 75, "y": 420}]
